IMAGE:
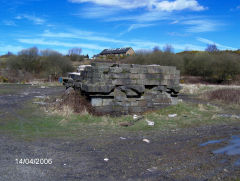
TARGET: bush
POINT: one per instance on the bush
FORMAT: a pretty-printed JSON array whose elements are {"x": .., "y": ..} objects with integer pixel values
[{"x": 49, "y": 63}]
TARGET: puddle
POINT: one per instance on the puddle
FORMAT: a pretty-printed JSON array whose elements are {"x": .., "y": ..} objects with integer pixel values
[
  {"x": 232, "y": 149},
  {"x": 211, "y": 142}
]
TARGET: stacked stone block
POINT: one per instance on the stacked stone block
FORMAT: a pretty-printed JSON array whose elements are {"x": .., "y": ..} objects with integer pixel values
[{"x": 128, "y": 88}]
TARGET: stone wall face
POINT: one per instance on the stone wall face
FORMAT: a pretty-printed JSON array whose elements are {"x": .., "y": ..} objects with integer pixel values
[{"x": 126, "y": 89}]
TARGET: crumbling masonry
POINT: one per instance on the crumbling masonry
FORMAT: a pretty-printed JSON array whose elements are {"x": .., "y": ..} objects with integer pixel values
[{"x": 125, "y": 89}]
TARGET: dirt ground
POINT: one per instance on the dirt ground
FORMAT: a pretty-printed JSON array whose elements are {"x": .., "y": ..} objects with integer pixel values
[{"x": 177, "y": 154}]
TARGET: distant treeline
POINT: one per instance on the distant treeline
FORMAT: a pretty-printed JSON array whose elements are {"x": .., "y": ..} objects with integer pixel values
[
  {"x": 213, "y": 66},
  {"x": 39, "y": 64}
]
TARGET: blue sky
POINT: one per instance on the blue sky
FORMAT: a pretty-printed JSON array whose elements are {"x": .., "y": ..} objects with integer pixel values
[{"x": 94, "y": 25}]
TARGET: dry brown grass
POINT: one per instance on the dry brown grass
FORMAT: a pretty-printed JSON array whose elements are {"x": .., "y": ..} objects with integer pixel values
[
  {"x": 76, "y": 102},
  {"x": 228, "y": 96}
]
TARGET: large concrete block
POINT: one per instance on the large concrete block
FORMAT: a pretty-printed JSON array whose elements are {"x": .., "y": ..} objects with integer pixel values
[{"x": 123, "y": 88}]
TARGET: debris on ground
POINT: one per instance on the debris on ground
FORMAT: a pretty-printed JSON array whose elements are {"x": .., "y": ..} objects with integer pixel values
[
  {"x": 136, "y": 117},
  {"x": 122, "y": 138},
  {"x": 146, "y": 140},
  {"x": 150, "y": 123},
  {"x": 43, "y": 87},
  {"x": 172, "y": 115},
  {"x": 106, "y": 159},
  {"x": 125, "y": 124},
  {"x": 153, "y": 169}
]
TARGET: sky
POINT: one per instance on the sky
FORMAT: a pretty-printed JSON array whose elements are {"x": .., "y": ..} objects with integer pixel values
[{"x": 94, "y": 25}]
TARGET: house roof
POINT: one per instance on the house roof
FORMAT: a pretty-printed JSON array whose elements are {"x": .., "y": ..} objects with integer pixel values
[{"x": 115, "y": 51}]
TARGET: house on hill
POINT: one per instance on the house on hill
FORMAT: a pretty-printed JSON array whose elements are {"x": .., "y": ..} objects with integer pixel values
[{"x": 117, "y": 52}]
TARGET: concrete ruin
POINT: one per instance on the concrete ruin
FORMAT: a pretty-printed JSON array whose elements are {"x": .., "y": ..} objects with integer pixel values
[{"x": 127, "y": 88}]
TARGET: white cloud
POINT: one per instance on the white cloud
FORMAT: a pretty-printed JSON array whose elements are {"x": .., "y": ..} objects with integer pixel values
[
  {"x": 59, "y": 43},
  {"x": 150, "y": 4},
  {"x": 34, "y": 19},
  {"x": 9, "y": 23},
  {"x": 136, "y": 26},
  {"x": 145, "y": 17},
  {"x": 79, "y": 34},
  {"x": 198, "y": 26},
  {"x": 204, "y": 40},
  {"x": 179, "y": 5},
  {"x": 125, "y": 4},
  {"x": 97, "y": 12},
  {"x": 174, "y": 22},
  {"x": 177, "y": 34}
]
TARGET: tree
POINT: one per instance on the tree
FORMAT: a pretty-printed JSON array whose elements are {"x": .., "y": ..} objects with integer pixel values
[
  {"x": 211, "y": 48},
  {"x": 31, "y": 52},
  {"x": 75, "y": 51},
  {"x": 9, "y": 54},
  {"x": 168, "y": 48},
  {"x": 49, "y": 52},
  {"x": 156, "y": 49}
]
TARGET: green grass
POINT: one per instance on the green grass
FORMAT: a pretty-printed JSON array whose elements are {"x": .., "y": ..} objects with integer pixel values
[
  {"x": 31, "y": 121},
  {"x": 188, "y": 115}
]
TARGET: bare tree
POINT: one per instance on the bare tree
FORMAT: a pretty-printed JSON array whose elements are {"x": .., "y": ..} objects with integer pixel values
[
  {"x": 156, "y": 49},
  {"x": 49, "y": 52},
  {"x": 211, "y": 48},
  {"x": 168, "y": 48},
  {"x": 75, "y": 51},
  {"x": 31, "y": 52}
]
